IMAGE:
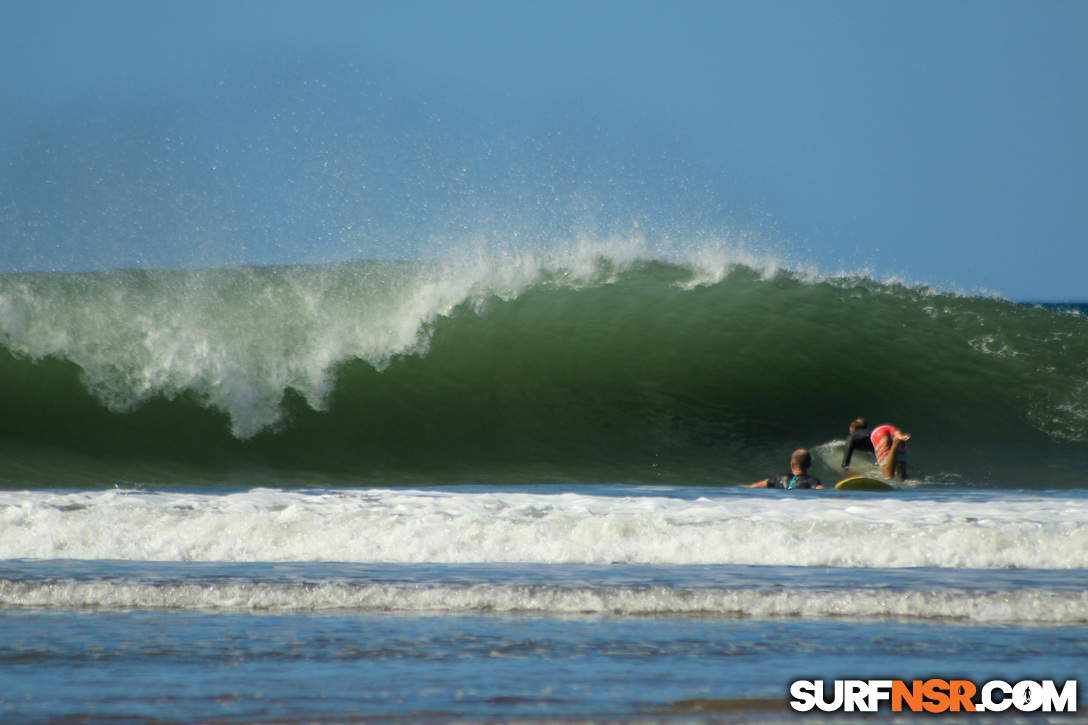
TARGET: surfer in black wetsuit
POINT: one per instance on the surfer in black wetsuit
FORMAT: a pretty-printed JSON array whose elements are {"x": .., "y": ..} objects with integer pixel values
[
  {"x": 798, "y": 476},
  {"x": 859, "y": 440}
]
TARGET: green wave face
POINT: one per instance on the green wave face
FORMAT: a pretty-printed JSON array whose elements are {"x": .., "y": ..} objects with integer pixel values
[{"x": 534, "y": 368}]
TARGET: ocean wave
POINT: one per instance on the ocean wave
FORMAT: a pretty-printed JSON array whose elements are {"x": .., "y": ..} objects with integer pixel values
[{"x": 569, "y": 366}]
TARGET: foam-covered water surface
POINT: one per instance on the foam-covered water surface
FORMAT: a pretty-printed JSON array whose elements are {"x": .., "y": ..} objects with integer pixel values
[{"x": 627, "y": 525}]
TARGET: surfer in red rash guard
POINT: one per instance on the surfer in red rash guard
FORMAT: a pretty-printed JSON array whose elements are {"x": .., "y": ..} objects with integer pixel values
[{"x": 889, "y": 444}]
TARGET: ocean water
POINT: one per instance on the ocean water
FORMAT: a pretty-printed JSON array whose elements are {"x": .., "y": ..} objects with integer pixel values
[{"x": 509, "y": 488}]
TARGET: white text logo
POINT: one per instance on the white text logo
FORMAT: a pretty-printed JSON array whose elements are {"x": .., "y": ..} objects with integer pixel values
[{"x": 934, "y": 696}]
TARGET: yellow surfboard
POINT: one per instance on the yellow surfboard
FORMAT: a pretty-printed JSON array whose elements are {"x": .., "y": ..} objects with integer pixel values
[{"x": 861, "y": 483}]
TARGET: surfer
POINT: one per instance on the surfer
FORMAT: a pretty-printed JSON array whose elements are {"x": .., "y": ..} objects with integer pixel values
[
  {"x": 798, "y": 477},
  {"x": 890, "y": 447},
  {"x": 859, "y": 440}
]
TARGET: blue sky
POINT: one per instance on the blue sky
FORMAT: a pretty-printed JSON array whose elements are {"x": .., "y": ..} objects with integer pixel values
[{"x": 937, "y": 142}]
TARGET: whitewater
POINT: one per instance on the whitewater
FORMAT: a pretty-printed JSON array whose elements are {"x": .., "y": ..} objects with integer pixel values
[{"x": 620, "y": 524}]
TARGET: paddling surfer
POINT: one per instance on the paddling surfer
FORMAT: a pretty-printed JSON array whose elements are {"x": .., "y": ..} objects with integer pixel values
[{"x": 798, "y": 476}]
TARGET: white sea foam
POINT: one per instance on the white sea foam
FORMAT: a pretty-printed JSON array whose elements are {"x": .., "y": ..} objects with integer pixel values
[
  {"x": 238, "y": 339},
  {"x": 1002, "y": 606},
  {"x": 1030, "y": 532}
]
